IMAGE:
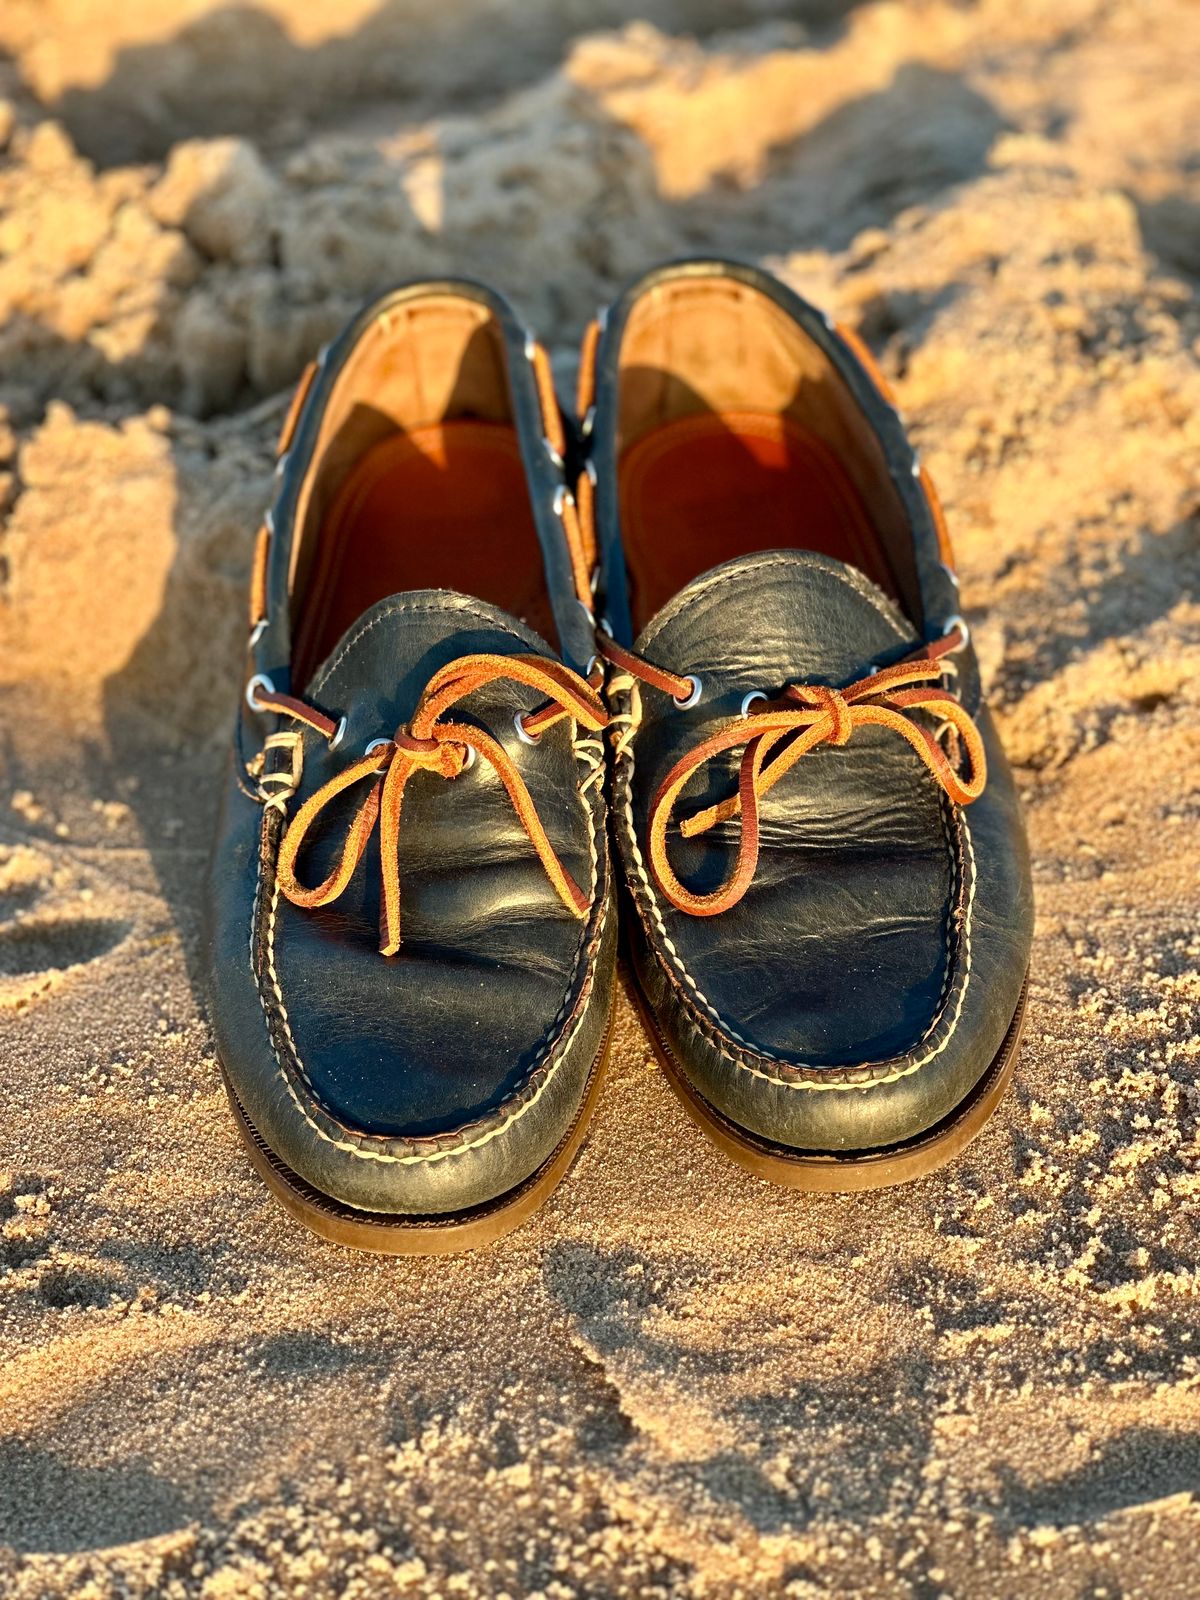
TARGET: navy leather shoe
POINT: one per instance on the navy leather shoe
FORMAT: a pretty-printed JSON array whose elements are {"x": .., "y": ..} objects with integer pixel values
[
  {"x": 411, "y": 942},
  {"x": 827, "y": 874}
]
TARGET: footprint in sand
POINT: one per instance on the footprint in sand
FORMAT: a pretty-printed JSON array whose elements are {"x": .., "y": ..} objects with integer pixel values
[{"x": 39, "y": 950}]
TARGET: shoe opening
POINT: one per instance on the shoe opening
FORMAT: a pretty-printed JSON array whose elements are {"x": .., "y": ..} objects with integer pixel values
[
  {"x": 735, "y": 434},
  {"x": 417, "y": 480}
]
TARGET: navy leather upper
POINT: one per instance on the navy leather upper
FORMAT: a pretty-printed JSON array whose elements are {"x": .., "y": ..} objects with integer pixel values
[
  {"x": 490, "y": 957},
  {"x": 866, "y": 981},
  {"x": 854, "y": 836},
  {"x": 441, "y": 1078}
]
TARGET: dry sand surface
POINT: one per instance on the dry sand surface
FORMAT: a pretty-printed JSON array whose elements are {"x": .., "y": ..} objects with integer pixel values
[{"x": 676, "y": 1381}]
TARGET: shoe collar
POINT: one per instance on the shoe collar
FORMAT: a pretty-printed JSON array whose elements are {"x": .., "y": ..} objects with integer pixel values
[
  {"x": 937, "y": 586},
  {"x": 271, "y": 631}
]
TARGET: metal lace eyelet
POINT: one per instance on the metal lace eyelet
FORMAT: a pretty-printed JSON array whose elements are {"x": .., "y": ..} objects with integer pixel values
[
  {"x": 552, "y": 451},
  {"x": 257, "y": 682},
  {"x": 697, "y": 686},
  {"x": 958, "y": 622},
  {"x": 522, "y": 733},
  {"x": 339, "y": 733},
  {"x": 748, "y": 701},
  {"x": 472, "y": 758},
  {"x": 257, "y": 631}
]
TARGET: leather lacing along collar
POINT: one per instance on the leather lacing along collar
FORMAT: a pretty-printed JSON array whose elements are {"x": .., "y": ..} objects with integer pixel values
[
  {"x": 429, "y": 744},
  {"x": 775, "y": 736}
]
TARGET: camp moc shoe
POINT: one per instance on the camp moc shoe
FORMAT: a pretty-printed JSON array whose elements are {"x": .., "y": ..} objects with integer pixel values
[
  {"x": 827, "y": 878},
  {"x": 411, "y": 939}
]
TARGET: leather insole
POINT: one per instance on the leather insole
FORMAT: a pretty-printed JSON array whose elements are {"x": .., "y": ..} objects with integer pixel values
[
  {"x": 715, "y": 485},
  {"x": 444, "y": 506}
]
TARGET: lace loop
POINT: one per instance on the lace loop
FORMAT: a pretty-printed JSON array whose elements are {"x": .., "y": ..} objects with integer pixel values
[
  {"x": 445, "y": 748},
  {"x": 779, "y": 732}
]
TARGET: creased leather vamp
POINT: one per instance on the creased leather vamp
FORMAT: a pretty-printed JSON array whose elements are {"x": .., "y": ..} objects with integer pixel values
[
  {"x": 863, "y": 960},
  {"x": 410, "y": 935},
  {"x": 456, "y": 1061}
]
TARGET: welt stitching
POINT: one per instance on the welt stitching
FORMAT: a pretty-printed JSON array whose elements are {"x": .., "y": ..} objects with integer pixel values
[
  {"x": 546, "y": 1044},
  {"x": 827, "y": 1081},
  {"x": 586, "y": 947},
  {"x": 684, "y": 603},
  {"x": 355, "y": 638},
  {"x": 954, "y": 849},
  {"x": 689, "y": 598}
]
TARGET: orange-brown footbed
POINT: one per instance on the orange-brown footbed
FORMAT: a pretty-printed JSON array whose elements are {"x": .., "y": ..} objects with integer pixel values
[
  {"x": 715, "y": 485},
  {"x": 445, "y": 506}
]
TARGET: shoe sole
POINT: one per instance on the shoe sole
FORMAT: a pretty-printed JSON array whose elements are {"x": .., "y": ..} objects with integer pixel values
[
  {"x": 391, "y": 1234},
  {"x": 839, "y": 1173}
]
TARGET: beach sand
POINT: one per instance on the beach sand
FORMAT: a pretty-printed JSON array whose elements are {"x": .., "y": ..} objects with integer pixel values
[{"x": 676, "y": 1381}]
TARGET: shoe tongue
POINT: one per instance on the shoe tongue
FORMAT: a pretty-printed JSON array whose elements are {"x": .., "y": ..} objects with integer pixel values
[
  {"x": 375, "y": 674},
  {"x": 776, "y": 617}
]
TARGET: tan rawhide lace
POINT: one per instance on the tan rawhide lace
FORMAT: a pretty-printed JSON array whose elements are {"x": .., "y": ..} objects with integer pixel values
[
  {"x": 783, "y": 730},
  {"x": 429, "y": 744}
]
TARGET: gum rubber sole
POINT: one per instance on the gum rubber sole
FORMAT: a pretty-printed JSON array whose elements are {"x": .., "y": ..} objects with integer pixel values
[
  {"x": 822, "y": 1172},
  {"x": 396, "y": 1235}
]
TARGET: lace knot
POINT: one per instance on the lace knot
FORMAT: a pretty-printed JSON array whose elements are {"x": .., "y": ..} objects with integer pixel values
[
  {"x": 832, "y": 703},
  {"x": 446, "y": 757},
  {"x": 904, "y": 698},
  {"x": 430, "y": 744}
]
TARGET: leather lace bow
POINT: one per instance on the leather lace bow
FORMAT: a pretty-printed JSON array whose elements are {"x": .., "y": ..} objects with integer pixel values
[
  {"x": 444, "y": 748},
  {"x": 776, "y": 737}
]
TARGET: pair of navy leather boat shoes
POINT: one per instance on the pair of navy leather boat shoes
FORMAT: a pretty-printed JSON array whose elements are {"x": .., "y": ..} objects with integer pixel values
[{"x": 689, "y": 663}]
